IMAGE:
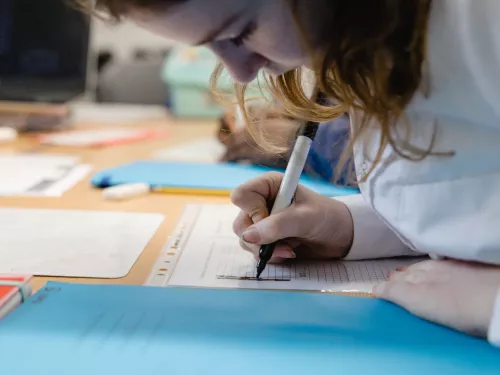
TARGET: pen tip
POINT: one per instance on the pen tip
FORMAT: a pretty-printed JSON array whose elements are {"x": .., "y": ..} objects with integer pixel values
[{"x": 260, "y": 269}]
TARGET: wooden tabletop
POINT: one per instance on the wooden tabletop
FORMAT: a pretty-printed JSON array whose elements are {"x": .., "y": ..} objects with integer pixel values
[{"x": 85, "y": 197}]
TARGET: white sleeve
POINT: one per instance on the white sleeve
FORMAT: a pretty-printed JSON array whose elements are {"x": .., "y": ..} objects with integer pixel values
[
  {"x": 494, "y": 330},
  {"x": 372, "y": 237}
]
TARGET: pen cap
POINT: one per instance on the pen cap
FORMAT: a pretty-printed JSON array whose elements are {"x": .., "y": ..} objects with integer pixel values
[{"x": 310, "y": 128}]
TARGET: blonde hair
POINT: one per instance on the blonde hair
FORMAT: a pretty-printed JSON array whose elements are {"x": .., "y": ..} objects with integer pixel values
[{"x": 372, "y": 63}]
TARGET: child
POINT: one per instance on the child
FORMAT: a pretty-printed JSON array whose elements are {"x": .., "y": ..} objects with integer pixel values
[{"x": 418, "y": 79}]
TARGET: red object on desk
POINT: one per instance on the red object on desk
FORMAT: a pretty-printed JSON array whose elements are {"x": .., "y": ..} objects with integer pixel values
[{"x": 13, "y": 290}]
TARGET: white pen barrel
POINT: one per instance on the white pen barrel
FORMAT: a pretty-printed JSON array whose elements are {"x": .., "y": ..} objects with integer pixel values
[{"x": 292, "y": 174}]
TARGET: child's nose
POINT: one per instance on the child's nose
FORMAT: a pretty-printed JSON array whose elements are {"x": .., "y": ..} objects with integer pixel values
[{"x": 242, "y": 64}]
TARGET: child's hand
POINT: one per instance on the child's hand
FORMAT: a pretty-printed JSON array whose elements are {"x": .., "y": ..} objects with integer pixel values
[
  {"x": 312, "y": 227},
  {"x": 455, "y": 294},
  {"x": 241, "y": 146}
]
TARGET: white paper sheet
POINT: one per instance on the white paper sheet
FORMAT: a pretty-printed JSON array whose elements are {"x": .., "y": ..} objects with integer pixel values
[
  {"x": 205, "y": 150},
  {"x": 210, "y": 256},
  {"x": 73, "y": 243},
  {"x": 39, "y": 175},
  {"x": 60, "y": 186}
]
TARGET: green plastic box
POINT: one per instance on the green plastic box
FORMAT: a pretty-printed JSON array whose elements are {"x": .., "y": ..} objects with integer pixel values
[{"x": 187, "y": 73}]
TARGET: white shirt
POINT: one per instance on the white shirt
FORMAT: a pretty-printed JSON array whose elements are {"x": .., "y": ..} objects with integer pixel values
[{"x": 444, "y": 206}]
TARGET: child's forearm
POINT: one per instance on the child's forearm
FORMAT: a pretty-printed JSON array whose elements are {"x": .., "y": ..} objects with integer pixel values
[{"x": 327, "y": 150}]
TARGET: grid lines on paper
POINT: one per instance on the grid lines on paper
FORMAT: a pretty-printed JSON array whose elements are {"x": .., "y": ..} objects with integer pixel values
[{"x": 322, "y": 272}]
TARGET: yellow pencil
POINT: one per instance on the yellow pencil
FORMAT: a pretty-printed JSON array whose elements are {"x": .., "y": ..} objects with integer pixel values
[{"x": 191, "y": 191}]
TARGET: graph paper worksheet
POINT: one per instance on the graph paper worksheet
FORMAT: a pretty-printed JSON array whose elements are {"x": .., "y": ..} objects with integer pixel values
[{"x": 206, "y": 253}]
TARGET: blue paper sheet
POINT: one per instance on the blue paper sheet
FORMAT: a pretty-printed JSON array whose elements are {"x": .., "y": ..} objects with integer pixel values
[
  {"x": 199, "y": 176},
  {"x": 129, "y": 330}
]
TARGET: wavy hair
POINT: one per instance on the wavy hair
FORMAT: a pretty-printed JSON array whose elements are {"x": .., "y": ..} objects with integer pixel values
[{"x": 371, "y": 62}]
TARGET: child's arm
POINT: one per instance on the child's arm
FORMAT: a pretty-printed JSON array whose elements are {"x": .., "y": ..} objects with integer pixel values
[
  {"x": 327, "y": 149},
  {"x": 461, "y": 295},
  {"x": 241, "y": 146}
]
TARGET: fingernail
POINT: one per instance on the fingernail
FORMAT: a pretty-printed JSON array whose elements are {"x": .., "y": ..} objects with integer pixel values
[
  {"x": 251, "y": 235},
  {"x": 402, "y": 268},
  {"x": 284, "y": 253}
]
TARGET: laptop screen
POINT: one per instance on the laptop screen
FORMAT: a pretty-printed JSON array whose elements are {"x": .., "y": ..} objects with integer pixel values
[{"x": 43, "y": 45}]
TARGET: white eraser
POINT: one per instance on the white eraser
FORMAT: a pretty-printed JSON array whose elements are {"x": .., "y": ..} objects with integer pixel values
[
  {"x": 7, "y": 134},
  {"x": 126, "y": 191}
]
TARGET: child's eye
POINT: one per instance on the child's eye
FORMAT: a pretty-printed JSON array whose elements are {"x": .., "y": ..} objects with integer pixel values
[{"x": 245, "y": 34}]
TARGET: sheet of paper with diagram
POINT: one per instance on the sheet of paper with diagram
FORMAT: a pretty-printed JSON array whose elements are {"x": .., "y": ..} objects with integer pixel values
[
  {"x": 204, "y": 252},
  {"x": 39, "y": 174}
]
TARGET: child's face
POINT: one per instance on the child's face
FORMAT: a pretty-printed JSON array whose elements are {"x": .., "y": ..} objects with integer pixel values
[{"x": 247, "y": 35}]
